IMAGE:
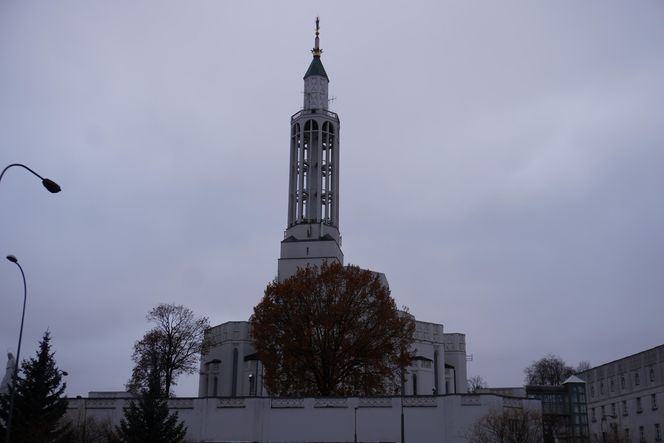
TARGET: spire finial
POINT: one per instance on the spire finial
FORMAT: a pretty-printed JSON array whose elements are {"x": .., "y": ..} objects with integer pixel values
[{"x": 317, "y": 51}]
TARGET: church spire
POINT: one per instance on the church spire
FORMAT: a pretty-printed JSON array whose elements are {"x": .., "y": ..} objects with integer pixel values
[
  {"x": 316, "y": 67},
  {"x": 317, "y": 51}
]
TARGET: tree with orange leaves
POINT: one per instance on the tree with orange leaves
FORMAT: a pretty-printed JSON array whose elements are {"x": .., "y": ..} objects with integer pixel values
[{"x": 331, "y": 331}]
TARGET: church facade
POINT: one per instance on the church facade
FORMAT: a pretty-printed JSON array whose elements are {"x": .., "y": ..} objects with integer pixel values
[{"x": 231, "y": 368}]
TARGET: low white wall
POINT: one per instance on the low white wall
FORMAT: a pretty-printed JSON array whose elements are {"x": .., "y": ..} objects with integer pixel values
[{"x": 427, "y": 419}]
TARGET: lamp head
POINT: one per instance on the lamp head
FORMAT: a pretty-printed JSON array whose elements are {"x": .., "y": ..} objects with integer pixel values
[
  {"x": 12, "y": 258},
  {"x": 52, "y": 186}
]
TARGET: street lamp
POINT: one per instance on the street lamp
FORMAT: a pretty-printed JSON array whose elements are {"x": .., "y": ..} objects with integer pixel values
[
  {"x": 14, "y": 260},
  {"x": 49, "y": 184}
]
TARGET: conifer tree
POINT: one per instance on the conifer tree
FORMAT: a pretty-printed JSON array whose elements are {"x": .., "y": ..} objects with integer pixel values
[
  {"x": 148, "y": 420},
  {"x": 40, "y": 404}
]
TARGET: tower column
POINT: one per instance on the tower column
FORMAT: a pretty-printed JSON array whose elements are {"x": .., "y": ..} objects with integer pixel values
[{"x": 312, "y": 234}]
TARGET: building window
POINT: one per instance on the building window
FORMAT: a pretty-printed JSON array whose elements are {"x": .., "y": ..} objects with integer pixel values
[
  {"x": 624, "y": 407},
  {"x": 653, "y": 401},
  {"x": 626, "y": 434},
  {"x": 414, "y": 384},
  {"x": 234, "y": 382},
  {"x": 622, "y": 382},
  {"x": 601, "y": 388},
  {"x": 435, "y": 371},
  {"x": 639, "y": 408},
  {"x": 642, "y": 434},
  {"x": 658, "y": 432},
  {"x": 613, "y": 409},
  {"x": 592, "y": 415},
  {"x": 637, "y": 379},
  {"x": 652, "y": 374},
  {"x": 603, "y": 412},
  {"x": 592, "y": 390},
  {"x": 613, "y": 387}
]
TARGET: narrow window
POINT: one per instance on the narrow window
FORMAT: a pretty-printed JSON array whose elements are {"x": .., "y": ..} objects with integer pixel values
[
  {"x": 215, "y": 383},
  {"x": 653, "y": 401},
  {"x": 234, "y": 384},
  {"x": 612, "y": 385},
  {"x": 639, "y": 409},
  {"x": 642, "y": 434},
  {"x": 658, "y": 432},
  {"x": 613, "y": 409},
  {"x": 637, "y": 379},
  {"x": 624, "y": 407},
  {"x": 622, "y": 382},
  {"x": 592, "y": 415},
  {"x": 652, "y": 374},
  {"x": 414, "y": 384},
  {"x": 601, "y": 388},
  {"x": 435, "y": 371}
]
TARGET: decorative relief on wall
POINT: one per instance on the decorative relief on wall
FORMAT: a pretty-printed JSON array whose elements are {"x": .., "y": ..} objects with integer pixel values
[
  {"x": 419, "y": 402},
  {"x": 376, "y": 402},
  {"x": 181, "y": 403},
  {"x": 331, "y": 403},
  {"x": 231, "y": 403},
  {"x": 287, "y": 403}
]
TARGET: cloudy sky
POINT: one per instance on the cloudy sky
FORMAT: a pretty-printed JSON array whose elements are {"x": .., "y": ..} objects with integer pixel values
[{"x": 502, "y": 164}]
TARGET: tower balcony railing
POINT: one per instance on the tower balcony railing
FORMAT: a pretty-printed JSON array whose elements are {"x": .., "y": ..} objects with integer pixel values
[{"x": 324, "y": 112}]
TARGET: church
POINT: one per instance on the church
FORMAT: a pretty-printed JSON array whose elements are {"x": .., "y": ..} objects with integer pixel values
[
  {"x": 230, "y": 368},
  {"x": 233, "y": 404}
]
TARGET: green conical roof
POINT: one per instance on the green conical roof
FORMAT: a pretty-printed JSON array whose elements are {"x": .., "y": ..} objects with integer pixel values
[{"x": 316, "y": 68}]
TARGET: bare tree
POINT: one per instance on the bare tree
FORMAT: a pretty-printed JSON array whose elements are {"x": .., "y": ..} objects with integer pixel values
[
  {"x": 508, "y": 425},
  {"x": 583, "y": 365},
  {"x": 176, "y": 341},
  {"x": 476, "y": 383},
  {"x": 550, "y": 370},
  {"x": 333, "y": 330}
]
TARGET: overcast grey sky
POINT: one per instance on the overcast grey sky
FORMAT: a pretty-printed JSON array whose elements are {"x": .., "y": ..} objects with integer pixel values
[{"x": 502, "y": 164}]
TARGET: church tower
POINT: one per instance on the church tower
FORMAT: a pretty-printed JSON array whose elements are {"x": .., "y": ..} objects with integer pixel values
[{"x": 312, "y": 235}]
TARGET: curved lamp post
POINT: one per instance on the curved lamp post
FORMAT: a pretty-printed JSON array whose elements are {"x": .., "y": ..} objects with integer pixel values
[
  {"x": 49, "y": 184},
  {"x": 14, "y": 260}
]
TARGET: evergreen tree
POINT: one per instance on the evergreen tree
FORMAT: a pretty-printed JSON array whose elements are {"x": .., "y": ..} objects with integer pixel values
[
  {"x": 148, "y": 420},
  {"x": 40, "y": 404}
]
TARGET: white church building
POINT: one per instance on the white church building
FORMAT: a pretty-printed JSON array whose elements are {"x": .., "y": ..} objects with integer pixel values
[
  {"x": 231, "y": 368},
  {"x": 432, "y": 405}
]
